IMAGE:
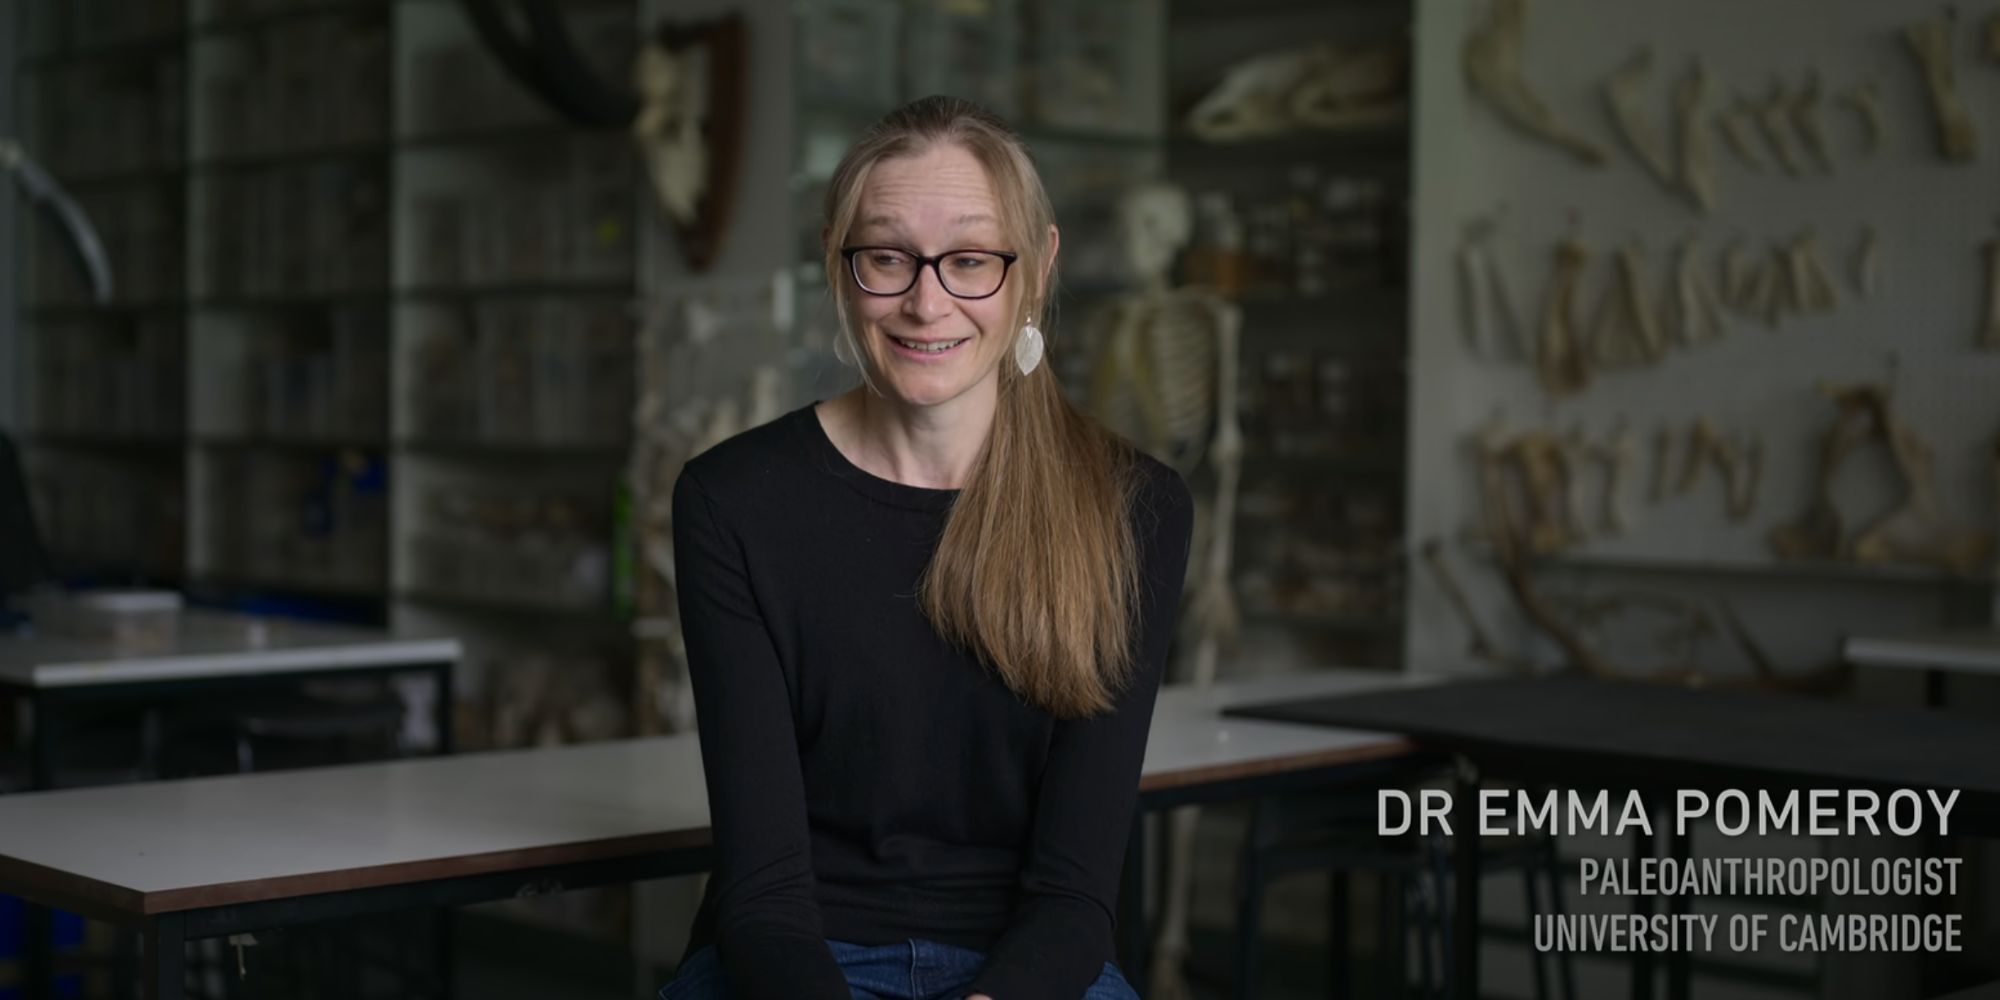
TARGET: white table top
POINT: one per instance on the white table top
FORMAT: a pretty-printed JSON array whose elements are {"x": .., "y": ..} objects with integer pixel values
[
  {"x": 212, "y": 644},
  {"x": 1972, "y": 651},
  {"x": 167, "y": 846}
]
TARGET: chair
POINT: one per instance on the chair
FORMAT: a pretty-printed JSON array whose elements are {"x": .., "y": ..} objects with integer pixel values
[{"x": 1337, "y": 834}]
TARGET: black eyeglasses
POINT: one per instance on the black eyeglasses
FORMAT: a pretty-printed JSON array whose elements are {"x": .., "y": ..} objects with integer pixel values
[{"x": 965, "y": 274}]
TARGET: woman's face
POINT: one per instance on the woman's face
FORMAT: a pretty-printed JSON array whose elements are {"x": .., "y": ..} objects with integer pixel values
[{"x": 926, "y": 346}]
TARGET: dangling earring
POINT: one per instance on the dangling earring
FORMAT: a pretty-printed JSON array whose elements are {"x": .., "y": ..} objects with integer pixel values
[{"x": 1028, "y": 348}]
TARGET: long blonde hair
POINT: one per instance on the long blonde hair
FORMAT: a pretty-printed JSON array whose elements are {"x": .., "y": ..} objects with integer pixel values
[{"x": 1037, "y": 571}]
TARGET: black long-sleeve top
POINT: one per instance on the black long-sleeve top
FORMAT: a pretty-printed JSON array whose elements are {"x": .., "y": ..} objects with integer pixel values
[{"x": 868, "y": 781}]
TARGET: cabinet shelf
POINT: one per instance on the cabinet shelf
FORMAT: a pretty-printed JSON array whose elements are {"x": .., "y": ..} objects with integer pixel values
[
  {"x": 235, "y": 163},
  {"x": 535, "y": 289},
  {"x": 40, "y": 62},
  {"x": 298, "y": 300},
  {"x": 288, "y": 443},
  {"x": 149, "y": 445},
  {"x": 502, "y": 605}
]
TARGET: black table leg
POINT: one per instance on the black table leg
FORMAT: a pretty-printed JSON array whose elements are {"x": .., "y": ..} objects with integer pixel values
[
  {"x": 1132, "y": 927},
  {"x": 42, "y": 744},
  {"x": 166, "y": 957},
  {"x": 1934, "y": 688},
  {"x": 441, "y": 674},
  {"x": 38, "y": 947},
  {"x": 1465, "y": 880},
  {"x": 1680, "y": 963}
]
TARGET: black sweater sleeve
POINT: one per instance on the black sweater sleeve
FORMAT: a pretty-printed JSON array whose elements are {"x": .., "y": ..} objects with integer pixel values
[
  {"x": 768, "y": 927},
  {"x": 1061, "y": 932}
]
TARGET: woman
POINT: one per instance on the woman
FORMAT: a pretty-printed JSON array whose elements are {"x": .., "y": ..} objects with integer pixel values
[{"x": 926, "y": 619}]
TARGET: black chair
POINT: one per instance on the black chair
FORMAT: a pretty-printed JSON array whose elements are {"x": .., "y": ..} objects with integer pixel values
[{"x": 1337, "y": 834}]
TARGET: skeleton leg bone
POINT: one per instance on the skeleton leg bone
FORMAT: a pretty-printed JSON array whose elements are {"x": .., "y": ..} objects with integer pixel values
[
  {"x": 1626, "y": 331},
  {"x": 1702, "y": 441},
  {"x": 1491, "y": 60},
  {"x": 1868, "y": 264},
  {"x": 1697, "y": 173},
  {"x": 1806, "y": 119},
  {"x": 1697, "y": 318},
  {"x": 1736, "y": 124},
  {"x": 1617, "y": 455},
  {"x": 1480, "y": 645},
  {"x": 1559, "y": 355},
  {"x": 1811, "y": 287},
  {"x": 1773, "y": 116},
  {"x": 1930, "y": 45}
]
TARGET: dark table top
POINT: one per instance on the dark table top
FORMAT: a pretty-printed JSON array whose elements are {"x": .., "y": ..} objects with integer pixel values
[{"x": 1646, "y": 734}]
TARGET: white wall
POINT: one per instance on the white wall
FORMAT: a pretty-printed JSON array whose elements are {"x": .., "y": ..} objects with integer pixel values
[
  {"x": 756, "y": 245},
  {"x": 1932, "y": 217}
]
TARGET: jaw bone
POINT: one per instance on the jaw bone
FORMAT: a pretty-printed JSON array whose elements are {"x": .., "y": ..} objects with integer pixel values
[
  {"x": 1625, "y": 95},
  {"x": 1697, "y": 173},
  {"x": 1930, "y": 45},
  {"x": 1805, "y": 112},
  {"x": 1492, "y": 64},
  {"x": 1735, "y": 123},
  {"x": 1865, "y": 99}
]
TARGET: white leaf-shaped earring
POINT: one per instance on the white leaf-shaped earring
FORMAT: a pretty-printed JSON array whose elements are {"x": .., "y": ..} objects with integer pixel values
[{"x": 1028, "y": 348}]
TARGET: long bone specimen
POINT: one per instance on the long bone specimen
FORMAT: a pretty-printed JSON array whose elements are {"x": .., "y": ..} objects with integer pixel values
[
  {"x": 1809, "y": 287},
  {"x": 1806, "y": 119},
  {"x": 1868, "y": 263},
  {"x": 1930, "y": 45},
  {"x": 1480, "y": 644},
  {"x": 1697, "y": 173},
  {"x": 1865, "y": 99},
  {"x": 1486, "y": 309},
  {"x": 1625, "y": 96},
  {"x": 1702, "y": 441},
  {"x": 1697, "y": 318},
  {"x": 1738, "y": 276},
  {"x": 1576, "y": 450},
  {"x": 1742, "y": 469},
  {"x": 1617, "y": 455},
  {"x": 1663, "y": 457},
  {"x": 1989, "y": 334},
  {"x": 1492, "y": 64},
  {"x": 1626, "y": 331},
  {"x": 1559, "y": 356},
  {"x": 1774, "y": 117},
  {"x": 1736, "y": 124}
]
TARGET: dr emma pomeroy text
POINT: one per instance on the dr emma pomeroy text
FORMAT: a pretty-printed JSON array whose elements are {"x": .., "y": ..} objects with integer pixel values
[{"x": 1821, "y": 812}]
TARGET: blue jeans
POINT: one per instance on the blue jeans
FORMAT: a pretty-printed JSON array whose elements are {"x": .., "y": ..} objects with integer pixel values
[{"x": 913, "y": 970}]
